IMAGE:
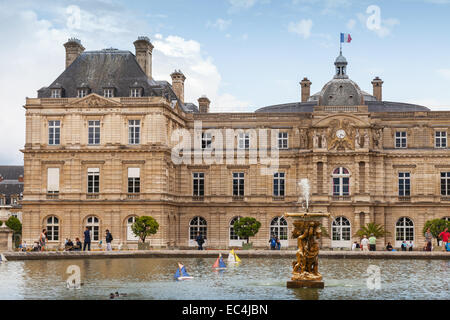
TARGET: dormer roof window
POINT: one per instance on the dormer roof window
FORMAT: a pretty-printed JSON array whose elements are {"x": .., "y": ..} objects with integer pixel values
[
  {"x": 108, "y": 92},
  {"x": 136, "y": 92},
  {"x": 56, "y": 93},
  {"x": 82, "y": 91}
]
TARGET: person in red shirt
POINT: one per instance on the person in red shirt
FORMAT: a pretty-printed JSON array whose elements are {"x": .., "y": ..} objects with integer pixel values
[{"x": 444, "y": 235}]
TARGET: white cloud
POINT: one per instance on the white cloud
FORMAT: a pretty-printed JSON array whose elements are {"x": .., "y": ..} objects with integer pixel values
[
  {"x": 385, "y": 26},
  {"x": 302, "y": 28},
  {"x": 220, "y": 24},
  {"x": 241, "y": 4},
  {"x": 351, "y": 24},
  {"x": 444, "y": 73}
]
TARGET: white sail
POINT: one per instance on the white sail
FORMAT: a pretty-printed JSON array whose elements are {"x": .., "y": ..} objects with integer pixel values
[{"x": 3, "y": 258}]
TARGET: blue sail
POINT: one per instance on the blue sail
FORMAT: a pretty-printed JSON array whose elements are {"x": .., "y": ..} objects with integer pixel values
[
  {"x": 221, "y": 263},
  {"x": 184, "y": 272},
  {"x": 177, "y": 274}
]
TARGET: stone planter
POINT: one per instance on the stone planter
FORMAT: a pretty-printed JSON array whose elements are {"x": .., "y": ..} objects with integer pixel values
[
  {"x": 247, "y": 246},
  {"x": 6, "y": 243},
  {"x": 143, "y": 246}
]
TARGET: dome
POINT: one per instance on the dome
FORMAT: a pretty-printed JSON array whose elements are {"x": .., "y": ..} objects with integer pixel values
[
  {"x": 341, "y": 92},
  {"x": 340, "y": 59}
]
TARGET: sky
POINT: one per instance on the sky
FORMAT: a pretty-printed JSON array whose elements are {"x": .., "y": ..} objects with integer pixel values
[{"x": 242, "y": 54}]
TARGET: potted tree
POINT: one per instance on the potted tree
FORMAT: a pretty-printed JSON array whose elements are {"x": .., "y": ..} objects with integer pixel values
[
  {"x": 436, "y": 227},
  {"x": 143, "y": 227},
  {"x": 245, "y": 228}
]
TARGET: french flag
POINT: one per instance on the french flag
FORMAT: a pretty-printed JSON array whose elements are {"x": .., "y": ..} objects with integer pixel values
[{"x": 345, "y": 37}]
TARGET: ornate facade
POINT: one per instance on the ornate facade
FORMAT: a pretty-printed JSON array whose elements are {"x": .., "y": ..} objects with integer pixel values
[{"x": 99, "y": 147}]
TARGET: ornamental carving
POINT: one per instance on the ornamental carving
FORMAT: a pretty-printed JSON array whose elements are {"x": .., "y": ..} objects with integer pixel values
[{"x": 341, "y": 135}]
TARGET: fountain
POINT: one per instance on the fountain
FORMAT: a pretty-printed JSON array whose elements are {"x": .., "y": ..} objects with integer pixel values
[{"x": 305, "y": 273}]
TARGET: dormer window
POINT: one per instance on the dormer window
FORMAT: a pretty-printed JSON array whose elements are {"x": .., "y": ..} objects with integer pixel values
[
  {"x": 82, "y": 92},
  {"x": 136, "y": 92},
  {"x": 56, "y": 93},
  {"x": 108, "y": 92}
]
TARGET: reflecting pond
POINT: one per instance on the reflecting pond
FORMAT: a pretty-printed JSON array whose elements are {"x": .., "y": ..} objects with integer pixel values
[{"x": 257, "y": 278}]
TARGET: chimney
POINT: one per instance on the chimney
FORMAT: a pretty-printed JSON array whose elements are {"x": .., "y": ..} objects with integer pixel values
[
  {"x": 178, "y": 84},
  {"x": 73, "y": 50},
  {"x": 20, "y": 178},
  {"x": 1, "y": 178},
  {"x": 144, "y": 50},
  {"x": 378, "y": 88},
  {"x": 203, "y": 104},
  {"x": 306, "y": 89}
]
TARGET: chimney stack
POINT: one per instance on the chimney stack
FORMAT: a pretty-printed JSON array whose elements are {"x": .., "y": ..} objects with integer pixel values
[
  {"x": 306, "y": 89},
  {"x": 20, "y": 179},
  {"x": 378, "y": 88},
  {"x": 203, "y": 104},
  {"x": 1, "y": 178},
  {"x": 144, "y": 50},
  {"x": 73, "y": 50},
  {"x": 178, "y": 84}
]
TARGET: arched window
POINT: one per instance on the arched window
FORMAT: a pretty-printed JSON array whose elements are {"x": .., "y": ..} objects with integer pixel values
[
  {"x": 341, "y": 182},
  {"x": 198, "y": 225},
  {"x": 404, "y": 229},
  {"x": 341, "y": 229},
  {"x": 52, "y": 227},
  {"x": 233, "y": 236},
  {"x": 93, "y": 224},
  {"x": 130, "y": 235},
  {"x": 278, "y": 227},
  {"x": 446, "y": 218}
]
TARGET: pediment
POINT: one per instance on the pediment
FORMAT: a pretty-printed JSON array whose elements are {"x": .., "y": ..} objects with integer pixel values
[
  {"x": 337, "y": 118},
  {"x": 94, "y": 100}
]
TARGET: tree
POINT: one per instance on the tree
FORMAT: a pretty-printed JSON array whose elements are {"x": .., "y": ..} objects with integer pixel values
[
  {"x": 436, "y": 227},
  {"x": 372, "y": 228},
  {"x": 246, "y": 227},
  {"x": 14, "y": 224},
  {"x": 144, "y": 226}
]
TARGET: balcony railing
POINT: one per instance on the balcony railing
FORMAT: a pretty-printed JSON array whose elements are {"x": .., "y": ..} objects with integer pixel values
[
  {"x": 238, "y": 198},
  {"x": 404, "y": 198},
  {"x": 52, "y": 196},
  {"x": 198, "y": 198},
  {"x": 92, "y": 196},
  {"x": 445, "y": 198},
  {"x": 278, "y": 198},
  {"x": 341, "y": 198},
  {"x": 133, "y": 196}
]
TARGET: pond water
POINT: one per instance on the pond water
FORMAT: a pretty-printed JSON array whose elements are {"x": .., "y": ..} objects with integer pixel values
[{"x": 262, "y": 279}]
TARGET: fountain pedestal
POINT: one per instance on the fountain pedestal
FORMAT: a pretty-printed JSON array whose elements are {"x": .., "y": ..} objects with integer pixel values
[{"x": 305, "y": 272}]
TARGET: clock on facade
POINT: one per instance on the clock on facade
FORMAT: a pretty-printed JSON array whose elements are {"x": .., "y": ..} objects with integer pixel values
[{"x": 340, "y": 134}]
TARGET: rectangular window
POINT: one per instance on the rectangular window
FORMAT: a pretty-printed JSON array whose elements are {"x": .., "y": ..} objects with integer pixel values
[
  {"x": 283, "y": 140},
  {"x": 198, "y": 184},
  {"x": 244, "y": 141},
  {"x": 56, "y": 93},
  {"x": 108, "y": 93},
  {"x": 94, "y": 132},
  {"x": 135, "y": 93},
  {"x": 81, "y": 93},
  {"x": 134, "y": 131},
  {"x": 93, "y": 180},
  {"x": 54, "y": 131},
  {"x": 404, "y": 184},
  {"x": 278, "y": 184},
  {"x": 400, "y": 139},
  {"x": 206, "y": 140},
  {"x": 440, "y": 139},
  {"x": 134, "y": 180},
  {"x": 53, "y": 180},
  {"x": 238, "y": 184},
  {"x": 445, "y": 184}
]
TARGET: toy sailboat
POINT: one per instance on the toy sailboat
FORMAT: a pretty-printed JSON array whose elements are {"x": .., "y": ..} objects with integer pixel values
[
  {"x": 219, "y": 264},
  {"x": 233, "y": 258},
  {"x": 2, "y": 258},
  {"x": 182, "y": 275}
]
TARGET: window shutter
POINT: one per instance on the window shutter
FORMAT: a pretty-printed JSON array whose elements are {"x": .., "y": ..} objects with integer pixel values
[{"x": 53, "y": 179}]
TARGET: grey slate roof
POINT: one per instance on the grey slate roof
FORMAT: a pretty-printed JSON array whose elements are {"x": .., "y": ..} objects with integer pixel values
[
  {"x": 10, "y": 184},
  {"x": 373, "y": 106},
  {"x": 11, "y": 172},
  {"x": 108, "y": 68}
]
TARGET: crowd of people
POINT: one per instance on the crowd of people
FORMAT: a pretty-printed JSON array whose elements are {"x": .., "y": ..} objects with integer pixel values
[{"x": 366, "y": 244}]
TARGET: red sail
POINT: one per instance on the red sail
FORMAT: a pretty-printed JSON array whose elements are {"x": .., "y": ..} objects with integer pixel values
[{"x": 216, "y": 264}]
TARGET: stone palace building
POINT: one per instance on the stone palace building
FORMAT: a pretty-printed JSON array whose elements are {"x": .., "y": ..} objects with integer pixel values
[{"x": 98, "y": 153}]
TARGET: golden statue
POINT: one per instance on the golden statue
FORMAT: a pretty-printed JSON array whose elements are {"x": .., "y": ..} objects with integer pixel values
[{"x": 307, "y": 230}]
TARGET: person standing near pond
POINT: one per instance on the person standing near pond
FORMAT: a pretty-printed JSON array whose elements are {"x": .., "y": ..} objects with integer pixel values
[
  {"x": 87, "y": 239},
  {"x": 365, "y": 244},
  {"x": 273, "y": 242},
  {"x": 42, "y": 239},
  {"x": 199, "y": 239},
  {"x": 372, "y": 243},
  {"x": 428, "y": 239},
  {"x": 109, "y": 239},
  {"x": 444, "y": 235},
  {"x": 278, "y": 243}
]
